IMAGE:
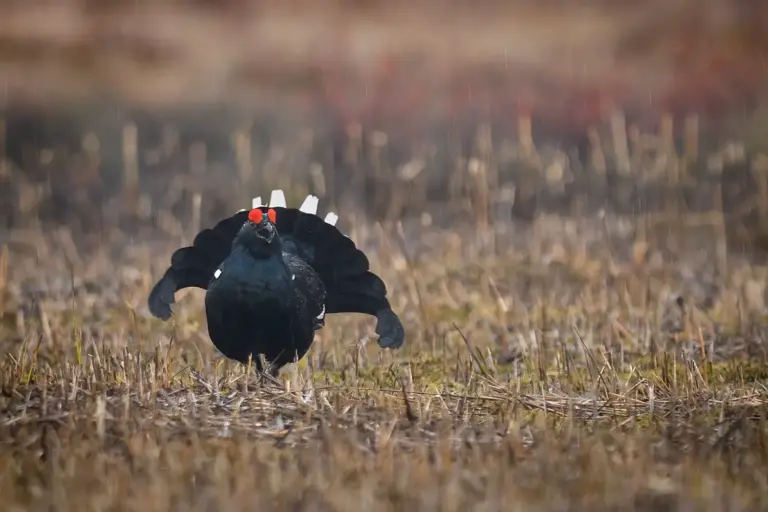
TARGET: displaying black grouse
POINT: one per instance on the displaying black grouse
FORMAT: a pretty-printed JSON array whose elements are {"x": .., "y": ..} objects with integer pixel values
[{"x": 271, "y": 275}]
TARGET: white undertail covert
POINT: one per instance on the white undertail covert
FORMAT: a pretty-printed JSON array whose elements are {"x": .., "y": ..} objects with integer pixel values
[
  {"x": 277, "y": 199},
  {"x": 309, "y": 205}
]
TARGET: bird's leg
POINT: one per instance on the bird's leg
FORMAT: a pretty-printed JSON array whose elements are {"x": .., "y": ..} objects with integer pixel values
[
  {"x": 260, "y": 362},
  {"x": 271, "y": 374},
  {"x": 264, "y": 367}
]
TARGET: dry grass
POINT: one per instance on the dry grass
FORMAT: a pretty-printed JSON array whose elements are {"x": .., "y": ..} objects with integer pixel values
[
  {"x": 525, "y": 385},
  {"x": 577, "y": 362}
]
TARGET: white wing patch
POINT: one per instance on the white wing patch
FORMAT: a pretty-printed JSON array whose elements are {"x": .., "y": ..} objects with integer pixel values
[
  {"x": 309, "y": 205},
  {"x": 217, "y": 273},
  {"x": 256, "y": 202},
  {"x": 322, "y": 313},
  {"x": 277, "y": 199},
  {"x": 331, "y": 218}
]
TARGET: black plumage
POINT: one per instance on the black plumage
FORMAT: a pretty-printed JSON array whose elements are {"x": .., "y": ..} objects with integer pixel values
[{"x": 271, "y": 275}]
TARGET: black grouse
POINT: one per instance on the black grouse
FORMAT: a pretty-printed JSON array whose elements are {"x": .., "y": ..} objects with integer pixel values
[{"x": 271, "y": 275}]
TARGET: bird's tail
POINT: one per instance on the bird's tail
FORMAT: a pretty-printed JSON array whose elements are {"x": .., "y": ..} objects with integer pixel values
[{"x": 350, "y": 285}]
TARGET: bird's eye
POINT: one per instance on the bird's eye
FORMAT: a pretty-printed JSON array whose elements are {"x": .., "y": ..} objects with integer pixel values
[
  {"x": 256, "y": 216},
  {"x": 272, "y": 215}
]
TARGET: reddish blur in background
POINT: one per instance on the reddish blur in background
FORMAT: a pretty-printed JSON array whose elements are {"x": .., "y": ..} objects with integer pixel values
[
  {"x": 410, "y": 70},
  {"x": 378, "y": 62}
]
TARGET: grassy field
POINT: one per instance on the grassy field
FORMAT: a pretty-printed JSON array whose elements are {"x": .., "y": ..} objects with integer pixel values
[
  {"x": 586, "y": 330},
  {"x": 538, "y": 378}
]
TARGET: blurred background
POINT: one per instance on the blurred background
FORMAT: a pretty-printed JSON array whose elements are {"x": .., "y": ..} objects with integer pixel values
[
  {"x": 162, "y": 115},
  {"x": 567, "y": 201}
]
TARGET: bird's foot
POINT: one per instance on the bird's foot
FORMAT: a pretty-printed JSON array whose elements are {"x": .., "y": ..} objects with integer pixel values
[
  {"x": 390, "y": 329},
  {"x": 264, "y": 367}
]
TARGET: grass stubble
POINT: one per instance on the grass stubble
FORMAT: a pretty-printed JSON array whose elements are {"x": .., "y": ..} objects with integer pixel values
[
  {"x": 574, "y": 366},
  {"x": 523, "y": 386}
]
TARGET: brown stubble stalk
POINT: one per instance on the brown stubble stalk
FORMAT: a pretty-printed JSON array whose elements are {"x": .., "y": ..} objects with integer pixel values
[
  {"x": 3, "y": 275},
  {"x": 620, "y": 142},
  {"x": 2, "y": 140},
  {"x": 130, "y": 168},
  {"x": 241, "y": 142},
  {"x": 478, "y": 172}
]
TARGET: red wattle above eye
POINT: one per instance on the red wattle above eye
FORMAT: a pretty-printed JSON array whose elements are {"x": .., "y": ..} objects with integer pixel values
[
  {"x": 256, "y": 216},
  {"x": 272, "y": 215}
]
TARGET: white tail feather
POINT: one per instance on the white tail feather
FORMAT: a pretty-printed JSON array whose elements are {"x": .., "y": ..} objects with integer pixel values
[
  {"x": 256, "y": 202},
  {"x": 331, "y": 218},
  {"x": 309, "y": 205},
  {"x": 277, "y": 199}
]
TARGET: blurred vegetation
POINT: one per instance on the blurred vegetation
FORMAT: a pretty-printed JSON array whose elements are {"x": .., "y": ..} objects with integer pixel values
[{"x": 580, "y": 272}]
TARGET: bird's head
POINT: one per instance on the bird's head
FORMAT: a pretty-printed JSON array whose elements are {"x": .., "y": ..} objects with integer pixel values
[{"x": 259, "y": 233}]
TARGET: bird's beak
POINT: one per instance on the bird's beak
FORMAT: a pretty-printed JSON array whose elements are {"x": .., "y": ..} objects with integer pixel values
[{"x": 266, "y": 230}]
